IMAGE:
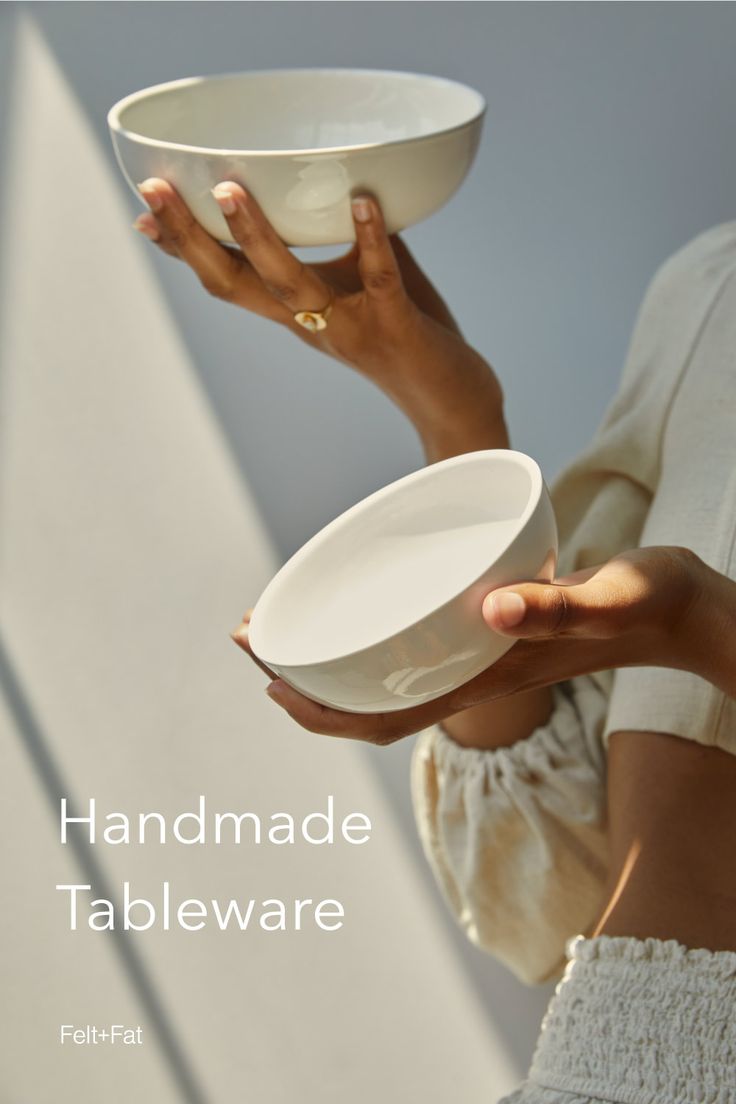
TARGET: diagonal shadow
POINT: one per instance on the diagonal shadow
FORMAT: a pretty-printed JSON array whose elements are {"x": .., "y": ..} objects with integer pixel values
[{"x": 55, "y": 787}]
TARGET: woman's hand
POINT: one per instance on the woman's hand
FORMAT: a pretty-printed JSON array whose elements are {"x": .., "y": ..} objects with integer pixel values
[
  {"x": 387, "y": 320},
  {"x": 649, "y": 607}
]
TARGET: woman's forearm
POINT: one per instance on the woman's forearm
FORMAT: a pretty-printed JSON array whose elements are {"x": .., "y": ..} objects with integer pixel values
[
  {"x": 477, "y": 433},
  {"x": 455, "y": 402},
  {"x": 500, "y": 723}
]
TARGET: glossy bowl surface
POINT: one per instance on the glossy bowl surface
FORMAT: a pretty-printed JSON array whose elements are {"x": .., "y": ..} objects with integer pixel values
[
  {"x": 381, "y": 609},
  {"x": 304, "y": 142}
]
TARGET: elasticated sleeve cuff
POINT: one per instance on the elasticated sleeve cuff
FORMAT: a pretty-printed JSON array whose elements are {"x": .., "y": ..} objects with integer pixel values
[{"x": 516, "y": 836}]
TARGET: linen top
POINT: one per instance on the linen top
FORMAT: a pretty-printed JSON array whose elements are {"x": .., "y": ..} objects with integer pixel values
[{"x": 516, "y": 836}]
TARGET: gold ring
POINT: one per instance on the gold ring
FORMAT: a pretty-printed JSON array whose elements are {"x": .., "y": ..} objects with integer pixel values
[{"x": 314, "y": 320}]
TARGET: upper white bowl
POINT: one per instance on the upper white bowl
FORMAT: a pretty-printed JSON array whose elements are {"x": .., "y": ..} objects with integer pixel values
[
  {"x": 304, "y": 141},
  {"x": 381, "y": 610}
]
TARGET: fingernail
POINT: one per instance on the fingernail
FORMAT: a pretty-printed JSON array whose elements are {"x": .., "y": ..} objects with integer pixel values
[
  {"x": 509, "y": 609},
  {"x": 275, "y": 690},
  {"x": 361, "y": 209},
  {"x": 147, "y": 188},
  {"x": 144, "y": 227},
  {"x": 225, "y": 198}
]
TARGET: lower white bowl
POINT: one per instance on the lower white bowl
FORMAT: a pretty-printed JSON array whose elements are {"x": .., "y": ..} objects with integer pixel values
[{"x": 381, "y": 610}]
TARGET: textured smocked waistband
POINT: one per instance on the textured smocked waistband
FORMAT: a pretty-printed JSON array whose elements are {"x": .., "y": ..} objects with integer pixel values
[{"x": 641, "y": 1022}]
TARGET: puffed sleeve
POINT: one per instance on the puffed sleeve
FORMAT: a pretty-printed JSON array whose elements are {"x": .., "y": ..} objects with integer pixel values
[{"x": 516, "y": 836}]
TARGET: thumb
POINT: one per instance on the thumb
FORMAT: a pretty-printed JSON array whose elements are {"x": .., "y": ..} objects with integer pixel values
[{"x": 548, "y": 609}]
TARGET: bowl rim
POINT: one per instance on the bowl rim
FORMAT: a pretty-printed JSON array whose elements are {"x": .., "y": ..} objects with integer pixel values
[
  {"x": 345, "y": 519},
  {"x": 116, "y": 126}
]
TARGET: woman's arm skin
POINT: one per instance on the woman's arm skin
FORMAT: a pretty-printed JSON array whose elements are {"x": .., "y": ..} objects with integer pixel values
[
  {"x": 388, "y": 322},
  {"x": 647, "y": 607},
  {"x": 672, "y": 830}
]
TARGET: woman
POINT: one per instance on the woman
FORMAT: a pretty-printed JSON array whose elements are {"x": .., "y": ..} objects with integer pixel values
[{"x": 585, "y": 783}]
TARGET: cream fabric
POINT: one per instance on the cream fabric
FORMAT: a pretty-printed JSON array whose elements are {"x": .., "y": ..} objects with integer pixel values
[
  {"x": 637, "y": 1022},
  {"x": 517, "y": 836}
]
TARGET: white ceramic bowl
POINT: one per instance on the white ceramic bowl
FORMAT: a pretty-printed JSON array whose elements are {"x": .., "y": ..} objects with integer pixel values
[
  {"x": 304, "y": 141},
  {"x": 381, "y": 610}
]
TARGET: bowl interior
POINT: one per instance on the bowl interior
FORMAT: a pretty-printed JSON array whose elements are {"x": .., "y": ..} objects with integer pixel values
[
  {"x": 394, "y": 558},
  {"x": 309, "y": 109}
]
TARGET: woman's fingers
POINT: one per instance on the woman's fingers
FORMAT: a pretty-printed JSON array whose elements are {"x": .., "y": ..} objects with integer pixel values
[
  {"x": 240, "y": 636},
  {"x": 596, "y": 607},
  {"x": 179, "y": 231},
  {"x": 264, "y": 275},
  {"x": 381, "y": 729},
  {"x": 626, "y": 593},
  {"x": 291, "y": 283},
  {"x": 377, "y": 264},
  {"x": 532, "y": 609},
  {"x": 527, "y": 665},
  {"x": 147, "y": 225},
  {"x": 221, "y": 271},
  {"x": 373, "y": 728}
]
